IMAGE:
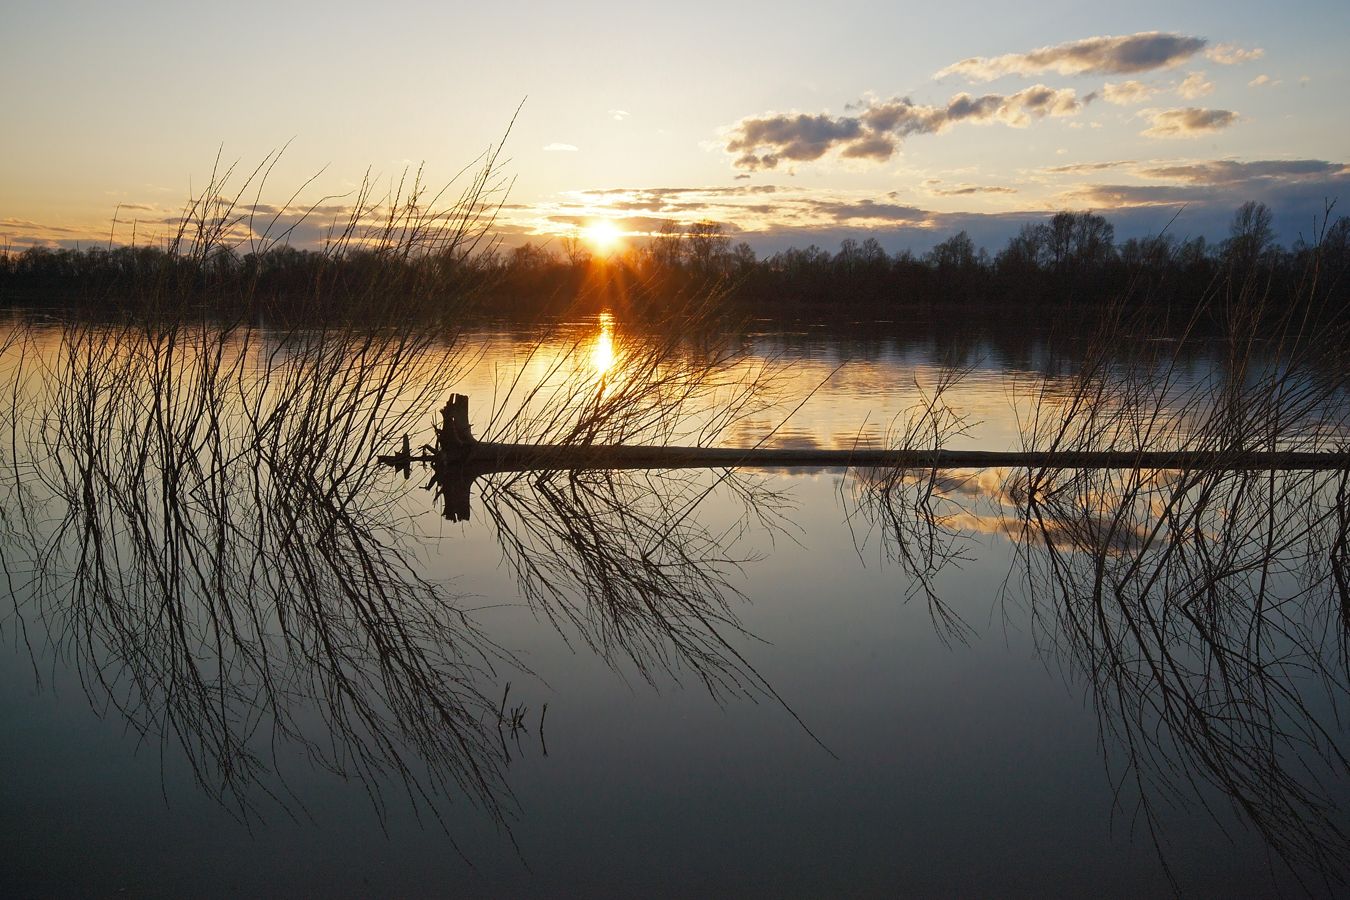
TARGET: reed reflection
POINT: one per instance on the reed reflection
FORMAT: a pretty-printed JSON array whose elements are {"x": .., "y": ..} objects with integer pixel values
[
  {"x": 1208, "y": 613},
  {"x": 1207, "y": 607},
  {"x": 195, "y": 531},
  {"x": 195, "y": 525},
  {"x": 628, "y": 562}
]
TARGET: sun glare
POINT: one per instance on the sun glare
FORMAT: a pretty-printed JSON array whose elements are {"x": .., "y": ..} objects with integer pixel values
[
  {"x": 602, "y": 353},
  {"x": 603, "y": 235}
]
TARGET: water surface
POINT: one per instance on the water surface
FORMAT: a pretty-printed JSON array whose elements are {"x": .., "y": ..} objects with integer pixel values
[{"x": 766, "y": 683}]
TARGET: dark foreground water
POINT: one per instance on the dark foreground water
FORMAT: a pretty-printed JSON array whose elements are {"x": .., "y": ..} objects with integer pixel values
[{"x": 759, "y": 683}]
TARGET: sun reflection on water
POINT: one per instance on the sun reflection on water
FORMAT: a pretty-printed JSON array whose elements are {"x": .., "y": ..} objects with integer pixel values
[{"x": 602, "y": 354}]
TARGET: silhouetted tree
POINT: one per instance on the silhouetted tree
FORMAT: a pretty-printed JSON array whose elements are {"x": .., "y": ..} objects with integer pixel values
[
  {"x": 956, "y": 253},
  {"x": 577, "y": 253},
  {"x": 742, "y": 260},
  {"x": 706, "y": 247},
  {"x": 666, "y": 246},
  {"x": 1250, "y": 236}
]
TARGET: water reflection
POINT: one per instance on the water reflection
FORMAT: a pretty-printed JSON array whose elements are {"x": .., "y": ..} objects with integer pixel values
[
  {"x": 195, "y": 528},
  {"x": 602, "y": 354},
  {"x": 627, "y": 561},
  {"x": 1208, "y": 612}
]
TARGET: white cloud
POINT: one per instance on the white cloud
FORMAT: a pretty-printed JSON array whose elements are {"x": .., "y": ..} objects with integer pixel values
[
  {"x": 1105, "y": 55},
  {"x": 1194, "y": 85},
  {"x": 875, "y": 130},
  {"x": 1186, "y": 122},
  {"x": 556, "y": 147},
  {"x": 1232, "y": 54},
  {"x": 1127, "y": 93}
]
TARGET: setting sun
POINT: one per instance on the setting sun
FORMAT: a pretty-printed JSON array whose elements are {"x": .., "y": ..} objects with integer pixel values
[{"x": 603, "y": 235}]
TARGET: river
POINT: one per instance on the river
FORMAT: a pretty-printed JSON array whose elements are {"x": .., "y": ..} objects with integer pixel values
[{"x": 235, "y": 664}]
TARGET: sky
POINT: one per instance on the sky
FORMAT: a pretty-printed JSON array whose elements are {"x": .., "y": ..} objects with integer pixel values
[{"x": 790, "y": 123}]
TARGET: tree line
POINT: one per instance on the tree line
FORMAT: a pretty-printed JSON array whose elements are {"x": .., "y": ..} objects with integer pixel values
[{"x": 1071, "y": 258}]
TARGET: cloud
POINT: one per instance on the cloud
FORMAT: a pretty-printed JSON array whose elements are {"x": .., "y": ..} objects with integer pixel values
[
  {"x": 752, "y": 213},
  {"x": 618, "y": 115},
  {"x": 1210, "y": 190},
  {"x": 296, "y": 225},
  {"x": 666, "y": 199},
  {"x": 964, "y": 190},
  {"x": 1186, "y": 122},
  {"x": 1112, "y": 196},
  {"x": 556, "y": 147},
  {"x": 764, "y": 141},
  {"x": 42, "y": 229},
  {"x": 628, "y": 224},
  {"x": 844, "y": 211},
  {"x": 1194, "y": 85},
  {"x": 876, "y": 147},
  {"x": 874, "y": 132},
  {"x": 1141, "y": 199},
  {"x": 1127, "y": 93},
  {"x": 1031, "y": 103},
  {"x": 1231, "y": 172},
  {"x": 1232, "y": 54},
  {"x": 1079, "y": 168},
  {"x": 1262, "y": 81},
  {"x": 1107, "y": 55}
]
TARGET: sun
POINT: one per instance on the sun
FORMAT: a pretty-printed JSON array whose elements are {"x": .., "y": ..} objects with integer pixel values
[{"x": 603, "y": 235}]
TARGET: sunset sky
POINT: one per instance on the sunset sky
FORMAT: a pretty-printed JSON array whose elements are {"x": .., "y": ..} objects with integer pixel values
[{"x": 791, "y": 123}]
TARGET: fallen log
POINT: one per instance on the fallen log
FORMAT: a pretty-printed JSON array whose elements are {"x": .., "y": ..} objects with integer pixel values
[{"x": 456, "y": 446}]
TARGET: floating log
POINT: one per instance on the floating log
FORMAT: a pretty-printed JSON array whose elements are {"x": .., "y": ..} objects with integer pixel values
[{"x": 456, "y": 447}]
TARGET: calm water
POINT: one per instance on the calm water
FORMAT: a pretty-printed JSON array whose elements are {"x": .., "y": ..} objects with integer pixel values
[{"x": 753, "y": 683}]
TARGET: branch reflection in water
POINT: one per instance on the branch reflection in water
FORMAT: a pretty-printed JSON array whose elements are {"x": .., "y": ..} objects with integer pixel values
[
  {"x": 198, "y": 531},
  {"x": 916, "y": 515},
  {"x": 195, "y": 524},
  {"x": 1207, "y": 612},
  {"x": 1207, "y": 608},
  {"x": 625, "y": 561}
]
